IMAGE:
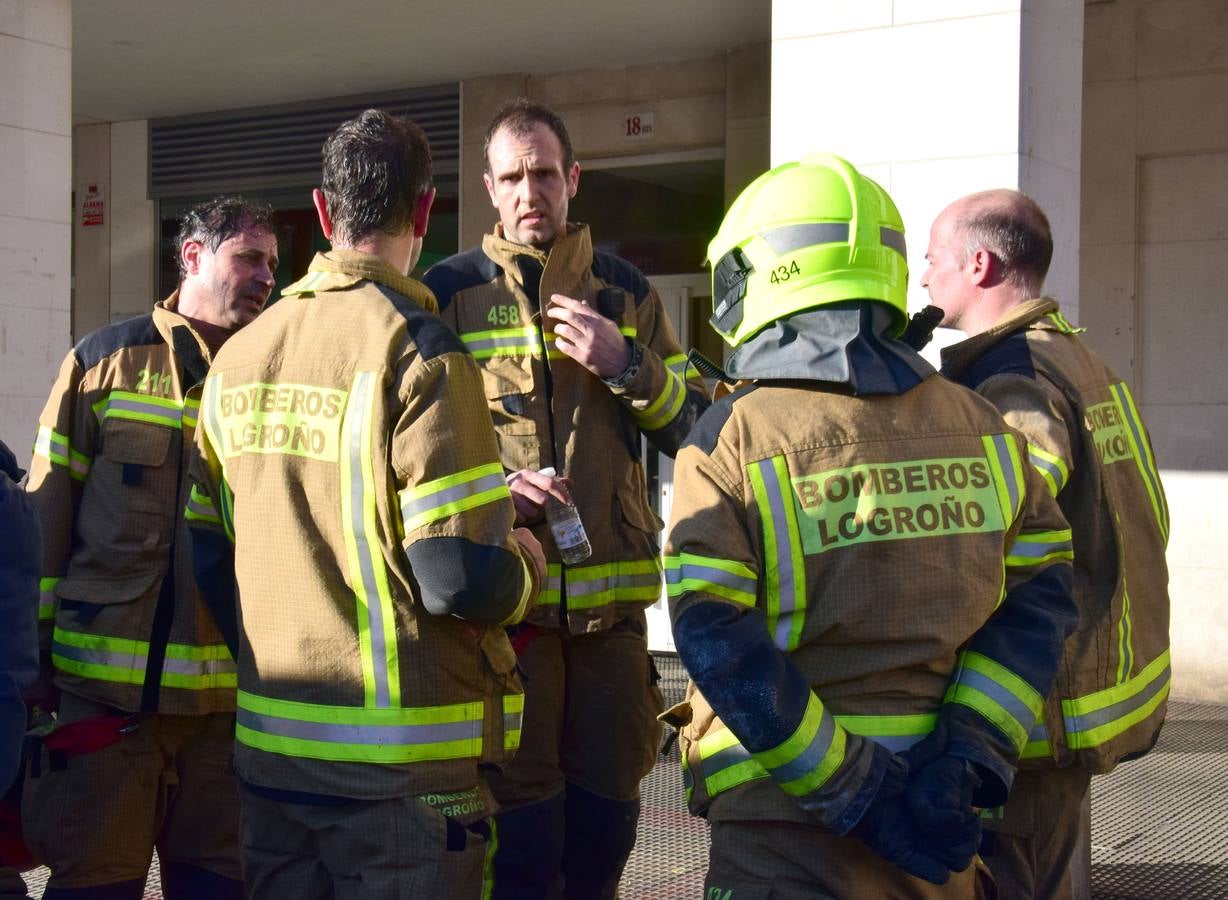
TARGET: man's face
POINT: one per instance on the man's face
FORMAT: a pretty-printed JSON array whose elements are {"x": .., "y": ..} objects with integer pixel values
[
  {"x": 944, "y": 277},
  {"x": 528, "y": 186},
  {"x": 234, "y": 282}
]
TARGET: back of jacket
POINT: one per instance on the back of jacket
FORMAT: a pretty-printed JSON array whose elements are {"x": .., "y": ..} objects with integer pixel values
[
  {"x": 119, "y": 606},
  {"x": 875, "y": 535},
  {"x": 1087, "y": 439},
  {"x": 349, "y": 461}
]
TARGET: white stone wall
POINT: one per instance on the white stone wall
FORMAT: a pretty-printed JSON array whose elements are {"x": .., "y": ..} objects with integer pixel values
[
  {"x": 1155, "y": 237},
  {"x": 35, "y": 209}
]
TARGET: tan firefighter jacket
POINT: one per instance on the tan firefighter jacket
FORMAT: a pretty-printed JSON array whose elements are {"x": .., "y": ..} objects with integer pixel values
[
  {"x": 119, "y": 608},
  {"x": 349, "y": 486},
  {"x": 835, "y": 566},
  {"x": 1088, "y": 441},
  {"x": 551, "y": 411}
]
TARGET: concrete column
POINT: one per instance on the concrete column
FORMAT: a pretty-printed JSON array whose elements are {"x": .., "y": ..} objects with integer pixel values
[
  {"x": 35, "y": 209},
  {"x": 938, "y": 98}
]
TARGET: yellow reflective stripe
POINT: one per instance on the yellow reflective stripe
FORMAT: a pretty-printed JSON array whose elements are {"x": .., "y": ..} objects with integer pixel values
[
  {"x": 1143, "y": 458},
  {"x": 998, "y": 694},
  {"x": 708, "y": 575},
  {"x": 725, "y": 763},
  {"x": 552, "y": 591},
  {"x": 629, "y": 581},
  {"x": 56, "y": 448},
  {"x": 46, "y": 598},
  {"x": 665, "y": 407},
  {"x": 786, "y": 568},
  {"x": 1125, "y": 644},
  {"x": 503, "y": 342},
  {"x": 896, "y": 733},
  {"x": 1003, "y": 458},
  {"x": 1097, "y": 718},
  {"x": 422, "y": 504},
  {"x": 368, "y": 576},
  {"x": 526, "y": 589},
  {"x": 1050, "y": 467},
  {"x": 1062, "y": 324},
  {"x": 360, "y": 734},
  {"x": 809, "y": 756},
  {"x": 124, "y": 660},
  {"x": 200, "y": 508},
  {"x": 513, "y": 719},
  {"x": 191, "y": 411},
  {"x": 1037, "y": 548},
  {"x": 1037, "y": 746},
  {"x": 139, "y": 408}
]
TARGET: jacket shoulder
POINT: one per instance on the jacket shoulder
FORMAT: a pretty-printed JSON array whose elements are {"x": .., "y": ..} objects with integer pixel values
[
  {"x": 430, "y": 334},
  {"x": 1011, "y": 356},
  {"x": 708, "y": 427},
  {"x": 620, "y": 273},
  {"x": 457, "y": 273},
  {"x": 98, "y": 345}
]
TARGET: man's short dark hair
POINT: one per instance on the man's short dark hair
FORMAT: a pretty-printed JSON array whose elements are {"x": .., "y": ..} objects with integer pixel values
[
  {"x": 1012, "y": 227},
  {"x": 518, "y": 117},
  {"x": 216, "y": 221},
  {"x": 376, "y": 168}
]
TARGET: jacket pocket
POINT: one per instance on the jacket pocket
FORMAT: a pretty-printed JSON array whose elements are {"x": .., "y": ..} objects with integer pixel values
[{"x": 634, "y": 507}]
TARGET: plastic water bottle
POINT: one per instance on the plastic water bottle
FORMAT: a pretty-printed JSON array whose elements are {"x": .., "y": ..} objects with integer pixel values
[{"x": 568, "y": 530}]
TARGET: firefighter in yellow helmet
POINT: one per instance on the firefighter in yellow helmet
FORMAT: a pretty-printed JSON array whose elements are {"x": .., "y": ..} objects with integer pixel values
[{"x": 859, "y": 556}]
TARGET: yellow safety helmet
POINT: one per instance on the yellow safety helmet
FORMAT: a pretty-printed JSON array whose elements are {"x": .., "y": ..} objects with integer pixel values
[{"x": 803, "y": 235}]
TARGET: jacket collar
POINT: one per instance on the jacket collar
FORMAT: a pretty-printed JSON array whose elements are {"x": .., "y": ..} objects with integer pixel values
[
  {"x": 338, "y": 269},
  {"x": 569, "y": 257},
  {"x": 180, "y": 336},
  {"x": 957, "y": 358}
]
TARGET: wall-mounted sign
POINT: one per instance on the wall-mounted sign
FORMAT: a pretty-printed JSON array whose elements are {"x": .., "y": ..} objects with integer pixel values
[
  {"x": 93, "y": 205},
  {"x": 637, "y": 126}
]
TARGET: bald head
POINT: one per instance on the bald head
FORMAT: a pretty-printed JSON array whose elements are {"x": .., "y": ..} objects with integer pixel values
[{"x": 1010, "y": 226}]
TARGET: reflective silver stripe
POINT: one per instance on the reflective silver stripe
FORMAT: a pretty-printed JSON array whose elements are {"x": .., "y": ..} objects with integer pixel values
[
  {"x": 147, "y": 409},
  {"x": 613, "y": 582},
  {"x": 529, "y": 342},
  {"x": 412, "y": 508},
  {"x": 812, "y": 756},
  {"x": 357, "y": 424},
  {"x": 786, "y": 586},
  {"x": 1121, "y": 709},
  {"x": 199, "y": 666},
  {"x": 1029, "y": 549},
  {"x": 1054, "y": 471},
  {"x": 334, "y": 733},
  {"x": 1008, "y": 474},
  {"x": 711, "y": 575},
  {"x": 889, "y": 237},
  {"x": 999, "y": 694},
  {"x": 512, "y": 721},
  {"x": 787, "y": 238},
  {"x": 108, "y": 658}
]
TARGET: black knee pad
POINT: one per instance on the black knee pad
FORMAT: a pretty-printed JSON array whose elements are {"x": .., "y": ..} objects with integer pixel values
[{"x": 600, "y": 836}]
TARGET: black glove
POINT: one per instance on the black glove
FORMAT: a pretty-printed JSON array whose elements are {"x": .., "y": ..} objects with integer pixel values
[{"x": 887, "y": 828}]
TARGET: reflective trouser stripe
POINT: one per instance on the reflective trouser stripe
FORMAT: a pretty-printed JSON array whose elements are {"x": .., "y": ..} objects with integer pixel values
[
  {"x": 1097, "y": 718},
  {"x": 56, "y": 448},
  {"x": 1141, "y": 450},
  {"x": 707, "y": 575},
  {"x": 124, "y": 660},
  {"x": 1037, "y": 548},
  {"x": 552, "y": 589},
  {"x": 1050, "y": 467},
  {"x": 431, "y": 501},
  {"x": 513, "y": 719},
  {"x": 786, "y": 570},
  {"x": 1002, "y": 454},
  {"x": 360, "y": 734},
  {"x": 47, "y": 598},
  {"x": 724, "y": 763},
  {"x": 665, "y": 407},
  {"x": 998, "y": 694},
  {"x": 367, "y": 575}
]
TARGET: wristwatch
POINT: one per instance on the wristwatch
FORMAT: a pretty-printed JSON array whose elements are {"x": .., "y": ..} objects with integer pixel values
[{"x": 623, "y": 378}]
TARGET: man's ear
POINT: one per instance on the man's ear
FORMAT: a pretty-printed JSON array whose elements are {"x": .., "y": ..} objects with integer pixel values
[
  {"x": 490, "y": 189},
  {"x": 573, "y": 180},
  {"x": 422, "y": 212},
  {"x": 190, "y": 253},
  {"x": 982, "y": 267},
  {"x": 326, "y": 221}
]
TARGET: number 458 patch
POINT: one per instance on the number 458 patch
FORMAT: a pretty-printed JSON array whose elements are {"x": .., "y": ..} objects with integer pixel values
[
  {"x": 784, "y": 273},
  {"x": 503, "y": 315}
]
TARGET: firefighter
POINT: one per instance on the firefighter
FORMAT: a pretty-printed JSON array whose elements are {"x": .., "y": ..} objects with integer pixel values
[
  {"x": 349, "y": 498},
  {"x": 988, "y": 256},
  {"x": 579, "y": 363},
  {"x": 858, "y": 558},
  {"x": 139, "y": 660}
]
